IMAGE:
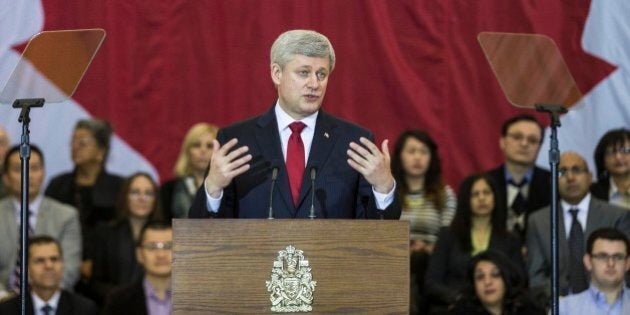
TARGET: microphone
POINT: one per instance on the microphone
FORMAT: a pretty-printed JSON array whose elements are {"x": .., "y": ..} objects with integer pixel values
[
  {"x": 274, "y": 176},
  {"x": 313, "y": 175}
]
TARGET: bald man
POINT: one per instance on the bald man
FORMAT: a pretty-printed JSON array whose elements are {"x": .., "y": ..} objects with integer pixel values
[{"x": 579, "y": 215}]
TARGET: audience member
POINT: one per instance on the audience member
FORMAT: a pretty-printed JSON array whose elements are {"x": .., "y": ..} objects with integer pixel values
[
  {"x": 190, "y": 169},
  {"x": 522, "y": 186},
  {"x": 579, "y": 214},
  {"x": 89, "y": 187},
  {"x": 496, "y": 286},
  {"x": 115, "y": 261},
  {"x": 152, "y": 294},
  {"x": 47, "y": 217},
  {"x": 428, "y": 204},
  {"x": 478, "y": 225},
  {"x": 612, "y": 161},
  {"x": 45, "y": 270},
  {"x": 607, "y": 260},
  {"x": 4, "y": 146}
]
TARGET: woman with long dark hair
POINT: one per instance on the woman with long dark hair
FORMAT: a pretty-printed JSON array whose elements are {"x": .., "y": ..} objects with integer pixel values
[
  {"x": 478, "y": 225},
  {"x": 428, "y": 203},
  {"x": 496, "y": 286},
  {"x": 612, "y": 161}
]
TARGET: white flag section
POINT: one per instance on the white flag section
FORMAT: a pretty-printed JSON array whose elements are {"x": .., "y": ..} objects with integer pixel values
[
  {"x": 51, "y": 127},
  {"x": 607, "y": 105}
]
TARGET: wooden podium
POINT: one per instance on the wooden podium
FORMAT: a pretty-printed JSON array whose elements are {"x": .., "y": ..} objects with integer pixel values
[{"x": 222, "y": 265}]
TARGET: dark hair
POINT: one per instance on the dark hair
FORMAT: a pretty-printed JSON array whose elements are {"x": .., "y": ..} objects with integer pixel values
[
  {"x": 433, "y": 184},
  {"x": 101, "y": 130},
  {"x": 16, "y": 149},
  {"x": 123, "y": 198},
  {"x": 152, "y": 225},
  {"x": 610, "y": 234},
  {"x": 462, "y": 222},
  {"x": 612, "y": 138},
  {"x": 522, "y": 117},
  {"x": 43, "y": 240},
  {"x": 514, "y": 279}
]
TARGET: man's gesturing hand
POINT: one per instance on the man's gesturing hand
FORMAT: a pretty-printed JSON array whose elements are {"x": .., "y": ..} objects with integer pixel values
[
  {"x": 225, "y": 166},
  {"x": 372, "y": 163}
]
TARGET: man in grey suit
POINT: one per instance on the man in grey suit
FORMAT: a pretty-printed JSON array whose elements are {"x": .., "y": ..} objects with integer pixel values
[
  {"x": 48, "y": 217},
  {"x": 579, "y": 215}
]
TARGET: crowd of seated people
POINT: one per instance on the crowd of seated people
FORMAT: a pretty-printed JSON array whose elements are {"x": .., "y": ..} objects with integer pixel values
[{"x": 482, "y": 250}]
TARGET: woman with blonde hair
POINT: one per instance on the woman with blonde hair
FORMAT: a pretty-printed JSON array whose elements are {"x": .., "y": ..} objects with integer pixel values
[{"x": 190, "y": 169}]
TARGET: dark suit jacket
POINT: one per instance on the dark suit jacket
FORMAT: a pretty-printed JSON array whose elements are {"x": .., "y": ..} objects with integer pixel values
[
  {"x": 601, "y": 189},
  {"x": 115, "y": 262},
  {"x": 446, "y": 275},
  {"x": 340, "y": 191},
  {"x": 127, "y": 300},
  {"x": 600, "y": 214},
  {"x": 69, "y": 304},
  {"x": 539, "y": 189}
]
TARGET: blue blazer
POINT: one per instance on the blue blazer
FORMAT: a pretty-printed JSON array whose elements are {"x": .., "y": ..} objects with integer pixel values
[{"x": 340, "y": 191}]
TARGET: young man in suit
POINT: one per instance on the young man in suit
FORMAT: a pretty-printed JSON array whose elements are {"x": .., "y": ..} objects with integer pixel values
[
  {"x": 45, "y": 270},
  {"x": 48, "y": 217},
  {"x": 301, "y": 147},
  {"x": 579, "y": 215},
  {"x": 523, "y": 187},
  {"x": 152, "y": 295}
]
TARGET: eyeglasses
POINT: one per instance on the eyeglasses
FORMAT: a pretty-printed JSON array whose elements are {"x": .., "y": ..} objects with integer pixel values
[
  {"x": 603, "y": 257},
  {"x": 611, "y": 151},
  {"x": 563, "y": 171},
  {"x": 135, "y": 194},
  {"x": 519, "y": 137},
  {"x": 82, "y": 142},
  {"x": 157, "y": 245}
]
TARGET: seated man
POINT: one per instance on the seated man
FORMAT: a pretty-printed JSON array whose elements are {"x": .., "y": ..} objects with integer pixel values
[
  {"x": 48, "y": 217},
  {"x": 579, "y": 215},
  {"x": 45, "y": 270},
  {"x": 607, "y": 260},
  {"x": 151, "y": 295}
]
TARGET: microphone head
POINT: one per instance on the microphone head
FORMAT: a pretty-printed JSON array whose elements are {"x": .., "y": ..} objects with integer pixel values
[
  {"x": 274, "y": 173},
  {"x": 313, "y": 173}
]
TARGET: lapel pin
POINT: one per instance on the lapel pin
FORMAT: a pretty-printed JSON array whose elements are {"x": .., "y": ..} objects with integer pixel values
[{"x": 326, "y": 135}]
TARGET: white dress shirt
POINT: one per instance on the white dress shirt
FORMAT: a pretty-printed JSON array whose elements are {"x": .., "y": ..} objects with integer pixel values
[
  {"x": 582, "y": 213},
  {"x": 38, "y": 303}
]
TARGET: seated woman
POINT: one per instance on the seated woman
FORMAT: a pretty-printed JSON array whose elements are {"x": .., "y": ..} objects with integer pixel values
[
  {"x": 478, "y": 225},
  {"x": 612, "y": 161},
  {"x": 496, "y": 286},
  {"x": 190, "y": 169},
  {"x": 89, "y": 187},
  {"x": 115, "y": 261},
  {"x": 428, "y": 204}
]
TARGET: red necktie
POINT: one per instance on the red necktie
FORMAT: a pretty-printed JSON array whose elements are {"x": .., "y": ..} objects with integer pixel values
[{"x": 295, "y": 159}]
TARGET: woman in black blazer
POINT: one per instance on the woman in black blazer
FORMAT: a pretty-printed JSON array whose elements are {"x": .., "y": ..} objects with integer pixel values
[
  {"x": 115, "y": 260},
  {"x": 478, "y": 225}
]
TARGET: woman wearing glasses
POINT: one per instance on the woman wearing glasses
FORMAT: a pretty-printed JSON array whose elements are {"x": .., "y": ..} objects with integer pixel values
[
  {"x": 115, "y": 261},
  {"x": 612, "y": 161}
]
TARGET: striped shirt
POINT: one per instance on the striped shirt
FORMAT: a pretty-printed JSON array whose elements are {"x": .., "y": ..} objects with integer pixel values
[{"x": 424, "y": 219}]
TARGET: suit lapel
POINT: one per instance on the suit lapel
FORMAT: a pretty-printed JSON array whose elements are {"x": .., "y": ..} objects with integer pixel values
[
  {"x": 592, "y": 218},
  {"x": 563, "y": 243},
  {"x": 268, "y": 138},
  {"x": 324, "y": 139},
  {"x": 8, "y": 221},
  {"x": 65, "y": 304}
]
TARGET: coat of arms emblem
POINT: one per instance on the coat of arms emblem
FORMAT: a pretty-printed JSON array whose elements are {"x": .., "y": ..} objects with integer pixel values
[{"x": 291, "y": 285}]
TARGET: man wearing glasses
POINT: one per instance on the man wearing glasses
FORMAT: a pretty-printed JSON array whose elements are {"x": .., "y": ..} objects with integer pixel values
[
  {"x": 522, "y": 186},
  {"x": 152, "y": 295},
  {"x": 579, "y": 215},
  {"x": 607, "y": 261}
]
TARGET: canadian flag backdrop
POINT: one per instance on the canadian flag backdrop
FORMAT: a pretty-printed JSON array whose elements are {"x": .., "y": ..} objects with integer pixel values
[{"x": 166, "y": 65}]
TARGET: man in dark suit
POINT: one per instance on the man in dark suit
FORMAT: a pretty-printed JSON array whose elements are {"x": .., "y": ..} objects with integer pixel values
[
  {"x": 307, "y": 151},
  {"x": 151, "y": 295},
  {"x": 45, "y": 267},
  {"x": 522, "y": 186},
  {"x": 579, "y": 215}
]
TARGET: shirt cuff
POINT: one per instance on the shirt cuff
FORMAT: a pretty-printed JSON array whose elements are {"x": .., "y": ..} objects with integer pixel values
[
  {"x": 212, "y": 204},
  {"x": 382, "y": 200}
]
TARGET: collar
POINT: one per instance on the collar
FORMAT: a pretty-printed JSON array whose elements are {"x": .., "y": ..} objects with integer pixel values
[
  {"x": 582, "y": 206},
  {"x": 38, "y": 303},
  {"x": 149, "y": 291},
  {"x": 33, "y": 205},
  {"x": 600, "y": 297},
  {"x": 284, "y": 120},
  {"x": 526, "y": 177}
]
